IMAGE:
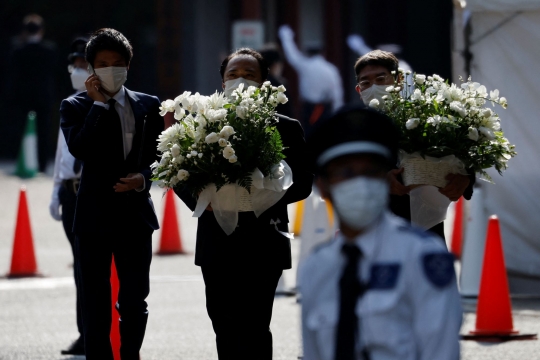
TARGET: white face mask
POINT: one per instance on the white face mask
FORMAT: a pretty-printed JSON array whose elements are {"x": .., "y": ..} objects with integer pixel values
[
  {"x": 231, "y": 85},
  {"x": 374, "y": 92},
  {"x": 78, "y": 78},
  {"x": 360, "y": 201},
  {"x": 112, "y": 78}
]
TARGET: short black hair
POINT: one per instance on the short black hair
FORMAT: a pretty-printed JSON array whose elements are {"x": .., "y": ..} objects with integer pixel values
[
  {"x": 108, "y": 39},
  {"x": 246, "y": 52},
  {"x": 377, "y": 57}
]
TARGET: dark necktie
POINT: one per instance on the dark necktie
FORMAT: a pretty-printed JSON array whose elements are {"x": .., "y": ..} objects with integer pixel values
[
  {"x": 116, "y": 130},
  {"x": 77, "y": 164},
  {"x": 350, "y": 289}
]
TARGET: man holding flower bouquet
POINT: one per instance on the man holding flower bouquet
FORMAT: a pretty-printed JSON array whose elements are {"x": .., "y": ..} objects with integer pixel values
[
  {"x": 257, "y": 247},
  {"x": 375, "y": 71}
]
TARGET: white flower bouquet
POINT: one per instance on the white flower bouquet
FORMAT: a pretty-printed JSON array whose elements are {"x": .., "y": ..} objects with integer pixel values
[
  {"x": 221, "y": 146},
  {"x": 448, "y": 125}
]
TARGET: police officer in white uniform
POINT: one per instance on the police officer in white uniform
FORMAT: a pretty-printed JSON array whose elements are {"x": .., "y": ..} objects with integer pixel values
[
  {"x": 67, "y": 174},
  {"x": 381, "y": 289}
]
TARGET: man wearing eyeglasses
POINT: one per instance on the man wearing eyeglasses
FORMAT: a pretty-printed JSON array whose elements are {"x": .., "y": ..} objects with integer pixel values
[{"x": 373, "y": 75}]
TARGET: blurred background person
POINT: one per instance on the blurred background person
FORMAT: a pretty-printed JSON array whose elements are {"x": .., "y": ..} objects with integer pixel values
[
  {"x": 373, "y": 74},
  {"x": 67, "y": 174},
  {"x": 321, "y": 89},
  {"x": 358, "y": 45},
  {"x": 30, "y": 86},
  {"x": 274, "y": 61}
]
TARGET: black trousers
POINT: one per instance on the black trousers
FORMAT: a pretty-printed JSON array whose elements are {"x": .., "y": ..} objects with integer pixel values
[
  {"x": 68, "y": 200},
  {"x": 132, "y": 249},
  {"x": 241, "y": 322}
]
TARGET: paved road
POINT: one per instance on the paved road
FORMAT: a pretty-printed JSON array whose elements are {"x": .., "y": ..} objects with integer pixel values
[{"x": 37, "y": 315}]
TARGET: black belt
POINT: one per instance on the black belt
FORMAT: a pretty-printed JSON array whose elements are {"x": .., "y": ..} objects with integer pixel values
[{"x": 71, "y": 184}]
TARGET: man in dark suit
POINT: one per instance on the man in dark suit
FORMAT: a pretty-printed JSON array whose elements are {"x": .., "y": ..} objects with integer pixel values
[
  {"x": 113, "y": 131},
  {"x": 255, "y": 253}
]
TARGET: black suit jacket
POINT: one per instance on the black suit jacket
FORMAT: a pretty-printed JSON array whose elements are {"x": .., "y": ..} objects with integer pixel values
[
  {"x": 89, "y": 137},
  {"x": 256, "y": 240}
]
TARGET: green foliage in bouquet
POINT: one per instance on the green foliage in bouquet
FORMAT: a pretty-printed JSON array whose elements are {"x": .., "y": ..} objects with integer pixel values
[
  {"x": 219, "y": 140},
  {"x": 439, "y": 119}
]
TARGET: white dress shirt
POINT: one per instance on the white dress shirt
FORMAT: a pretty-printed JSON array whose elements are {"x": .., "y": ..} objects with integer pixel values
[
  {"x": 63, "y": 164},
  {"x": 412, "y": 308},
  {"x": 127, "y": 120},
  {"x": 319, "y": 80}
]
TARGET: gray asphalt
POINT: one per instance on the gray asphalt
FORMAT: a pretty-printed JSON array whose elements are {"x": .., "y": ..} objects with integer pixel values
[{"x": 37, "y": 315}]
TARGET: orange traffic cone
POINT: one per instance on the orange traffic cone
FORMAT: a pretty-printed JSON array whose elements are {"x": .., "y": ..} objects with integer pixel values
[
  {"x": 170, "y": 242},
  {"x": 494, "y": 309},
  {"x": 298, "y": 219},
  {"x": 457, "y": 234},
  {"x": 115, "y": 324},
  {"x": 23, "y": 259}
]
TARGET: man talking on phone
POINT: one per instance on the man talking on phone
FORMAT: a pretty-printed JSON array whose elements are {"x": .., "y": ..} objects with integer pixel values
[{"x": 112, "y": 130}]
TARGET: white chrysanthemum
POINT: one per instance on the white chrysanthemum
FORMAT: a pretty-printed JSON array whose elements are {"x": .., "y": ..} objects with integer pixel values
[
  {"x": 216, "y": 101},
  {"x": 169, "y": 135}
]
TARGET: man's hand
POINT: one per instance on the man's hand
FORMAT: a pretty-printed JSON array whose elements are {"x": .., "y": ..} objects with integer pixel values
[
  {"x": 456, "y": 186},
  {"x": 93, "y": 85},
  {"x": 131, "y": 182},
  {"x": 397, "y": 188},
  {"x": 285, "y": 31}
]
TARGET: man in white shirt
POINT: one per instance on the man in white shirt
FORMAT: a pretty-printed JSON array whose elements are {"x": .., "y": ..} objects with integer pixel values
[
  {"x": 112, "y": 130},
  {"x": 321, "y": 89},
  {"x": 381, "y": 289},
  {"x": 67, "y": 173}
]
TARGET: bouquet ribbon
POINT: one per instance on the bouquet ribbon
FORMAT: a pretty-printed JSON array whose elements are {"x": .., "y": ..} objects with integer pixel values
[{"x": 265, "y": 192}]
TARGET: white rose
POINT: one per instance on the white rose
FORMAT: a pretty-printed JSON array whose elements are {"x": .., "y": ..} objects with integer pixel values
[
  {"x": 281, "y": 88},
  {"x": 200, "y": 155},
  {"x": 233, "y": 159},
  {"x": 175, "y": 150},
  {"x": 473, "y": 134},
  {"x": 211, "y": 138},
  {"x": 282, "y": 98},
  {"x": 222, "y": 142},
  {"x": 420, "y": 79},
  {"x": 179, "y": 159},
  {"x": 412, "y": 123},
  {"x": 267, "y": 83},
  {"x": 241, "y": 111},
  {"x": 389, "y": 88},
  {"x": 374, "y": 103},
  {"x": 417, "y": 95},
  {"x": 182, "y": 174},
  {"x": 194, "y": 153},
  {"x": 487, "y": 132},
  {"x": 227, "y": 131},
  {"x": 228, "y": 151}
]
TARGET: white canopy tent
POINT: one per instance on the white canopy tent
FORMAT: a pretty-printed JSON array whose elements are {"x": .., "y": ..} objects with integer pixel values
[{"x": 505, "y": 47}]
